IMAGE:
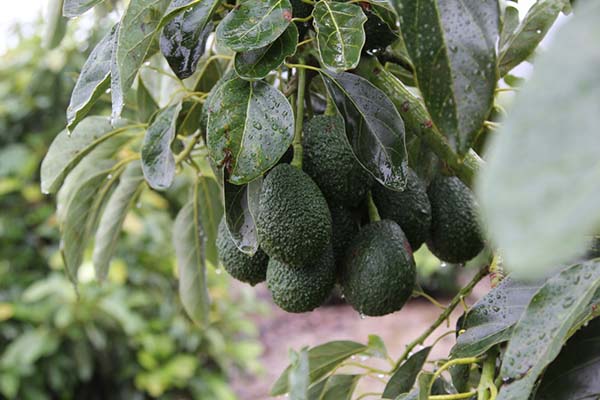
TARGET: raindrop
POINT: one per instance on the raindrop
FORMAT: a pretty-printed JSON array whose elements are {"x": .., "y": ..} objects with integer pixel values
[
  {"x": 539, "y": 31},
  {"x": 443, "y": 264},
  {"x": 138, "y": 204},
  {"x": 364, "y": 358},
  {"x": 109, "y": 176},
  {"x": 218, "y": 271},
  {"x": 380, "y": 376},
  {"x": 362, "y": 316}
]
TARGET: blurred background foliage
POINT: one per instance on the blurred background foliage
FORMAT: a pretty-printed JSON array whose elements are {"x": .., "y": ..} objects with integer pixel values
[{"x": 127, "y": 338}]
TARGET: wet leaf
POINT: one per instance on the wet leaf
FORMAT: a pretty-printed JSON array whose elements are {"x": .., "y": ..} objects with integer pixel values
[
  {"x": 158, "y": 162},
  {"x": 93, "y": 80},
  {"x": 405, "y": 377},
  {"x": 183, "y": 39},
  {"x": 145, "y": 102},
  {"x": 254, "y": 24},
  {"x": 340, "y": 34},
  {"x": 111, "y": 221},
  {"x": 211, "y": 211},
  {"x": 74, "y": 8},
  {"x": 250, "y": 126},
  {"x": 544, "y": 327},
  {"x": 545, "y": 155},
  {"x": 241, "y": 210},
  {"x": 452, "y": 44},
  {"x": 256, "y": 64},
  {"x": 322, "y": 360},
  {"x": 374, "y": 127}
]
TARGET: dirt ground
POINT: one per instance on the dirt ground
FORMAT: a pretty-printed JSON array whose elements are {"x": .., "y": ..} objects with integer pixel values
[{"x": 280, "y": 331}]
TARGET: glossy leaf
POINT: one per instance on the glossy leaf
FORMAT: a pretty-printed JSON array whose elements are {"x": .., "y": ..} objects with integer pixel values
[
  {"x": 211, "y": 211},
  {"x": 340, "y": 34},
  {"x": 254, "y": 24},
  {"x": 93, "y": 80},
  {"x": 241, "y": 210},
  {"x": 136, "y": 32},
  {"x": 298, "y": 376},
  {"x": 66, "y": 151},
  {"x": 374, "y": 127},
  {"x": 183, "y": 39},
  {"x": 405, "y": 377},
  {"x": 491, "y": 319},
  {"x": 452, "y": 44},
  {"x": 256, "y": 64},
  {"x": 250, "y": 127},
  {"x": 146, "y": 105},
  {"x": 544, "y": 327},
  {"x": 74, "y": 8},
  {"x": 111, "y": 221},
  {"x": 575, "y": 374},
  {"x": 526, "y": 38},
  {"x": 322, "y": 360},
  {"x": 546, "y": 156},
  {"x": 158, "y": 162},
  {"x": 189, "y": 240}
]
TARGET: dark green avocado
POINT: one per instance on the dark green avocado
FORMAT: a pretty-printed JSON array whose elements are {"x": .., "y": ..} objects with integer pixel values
[
  {"x": 294, "y": 223},
  {"x": 380, "y": 272},
  {"x": 409, "y": 208},
  {"x": 241, "y": 266},
  {"x": 455, "y": 235},
  {"x": 344, "y": 229}
]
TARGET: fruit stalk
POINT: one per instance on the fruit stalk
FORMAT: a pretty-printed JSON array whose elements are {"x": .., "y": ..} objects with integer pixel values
[
  {"x": 373, "y": 212},
  {"x": 297, "y": 143}
]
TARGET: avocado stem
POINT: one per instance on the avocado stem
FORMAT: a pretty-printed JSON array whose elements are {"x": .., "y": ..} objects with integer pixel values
[
  {"x": 373, "y": 212},
  {"x": 297, "y": 143}
]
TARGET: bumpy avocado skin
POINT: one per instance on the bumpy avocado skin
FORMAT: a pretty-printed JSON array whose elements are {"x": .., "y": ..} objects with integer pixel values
[
  {"x": 302, "y": 289},
  {"x": 294, "y": 223},
  {"x": 380, "y": 272},
  {"x": 329, "y": 160},
  {"x": 410, "y": 208},
  {"x": 344, "y": 230},
  {"x": 455, "y": 235},
  {"x": 245, "y": 268}
]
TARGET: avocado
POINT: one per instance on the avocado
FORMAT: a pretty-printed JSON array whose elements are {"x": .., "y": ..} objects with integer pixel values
[
  {"x": 294, "y": 223},
  {"x": 455, "y": 235},
  {"x": 344, "y": 229},
  {"x": 301, "y": 289},
  {"x": 243, "y": 267},
  {"x": 409, "y": 208},
  {"x": 380, "y": 273},
  {"x": 378, "y": 34},
  {"x": 329, "y": 160}
]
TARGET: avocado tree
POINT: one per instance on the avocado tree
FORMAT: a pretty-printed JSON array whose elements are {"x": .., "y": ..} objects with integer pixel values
[{"x": 322, "y": 142}]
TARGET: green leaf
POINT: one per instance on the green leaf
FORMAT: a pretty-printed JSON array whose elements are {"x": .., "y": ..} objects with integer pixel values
[
  {"x": 339, "y": 387},
  {"x": 93, "y": 80},
  {"x": 209, "y": 195},
  {"x": 545, "y": 155},
  {"x": 525, "y": 39},
  {"x": 241, "y": 210},
  {"x": 66, "y": 151},
  {"x": 55, "y": 25},
  {"x": 574, "y": 373},
  {"x": 74, "y": 8},
  {"x": 490, "y": 320},
  {"x": 376, "y": 347},
  {"x": 256, "y": 64},
  {"x": 114, "y": 214},
  {"x": 189, "y": 242},
  {"x": 374, "y": 127},
  {"x": 423, "y": 385},
  {"x": 404, "y": 378},
  {"x": 146, "y": 105},
  {"x": 510, "y": 23},
  {"x": 254, "y": 24},
  {"x": 544, "y": 327},
  {"x": 322, "y": 360},
  {"x": 134, "y": 39},
  {"x": 457, "y": 77},
  {"x": 250, "y": 127},
  {"x": 158, "y": 162},
  {"x": 298, "y": 376},
  {"x": 340, "y": 34},
  {"x": 183, "y": 39}
]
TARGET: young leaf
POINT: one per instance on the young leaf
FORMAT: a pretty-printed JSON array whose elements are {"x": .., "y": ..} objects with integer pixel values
[
  {"x": 134, "y": 39},
  {"x": 491, "y": 319},
  {"x": 112, "y": 218},
  {"x": 256, "y": 64},
  {"x": 574, "y": 374},
  {"x": 189, "y": 242},
  {"x": 457, "y": 77},
  {"x": 183, "y": 39},
  {"x": 322, "y": 360},
  {"x": 241, "y": 210},
  {"x": 93, "y": 80},
  {"x": 546, "y": 156},
  {"x": 66, "y": 151},
  {"x": 145, "y": 102},
  {"x": 298, "y": 376},
  {"x": 526, "y": 38},
  {"x": 158, "y": 162},
  {"x": 340, "y": 34},
  {"x": 250, "y": 126},
  {"x": 209, "y": 196},
  {"x": 74, "y": 8},
  {"x": 405, "y": 377},
  {"x": 374, "y": 128},
  {"x": 254, "y": 24},
  {"x": 544, "y": 327}
]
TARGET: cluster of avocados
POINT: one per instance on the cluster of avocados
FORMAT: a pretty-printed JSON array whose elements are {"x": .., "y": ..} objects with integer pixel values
[{"x": 314, "y": 230}]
